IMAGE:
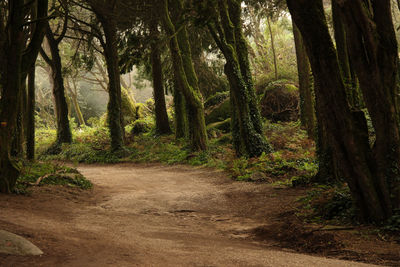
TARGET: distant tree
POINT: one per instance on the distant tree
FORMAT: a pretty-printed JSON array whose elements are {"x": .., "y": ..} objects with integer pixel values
[{"x": 54, "y": 61}]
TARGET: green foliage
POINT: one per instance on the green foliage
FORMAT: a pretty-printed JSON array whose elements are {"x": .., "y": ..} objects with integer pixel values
[
  {"x": 54, "y": 174},
  {"x": 142, "y": 126},
  {"x": 393, "y": 224},
  {"x": 216, "y": 99},
  {"x": 219, "y": 112},
  {"x": 330, "y": 203}
]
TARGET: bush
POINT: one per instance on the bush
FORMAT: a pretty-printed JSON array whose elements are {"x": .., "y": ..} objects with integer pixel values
[
  {"x": 280, "y": 102},
  {"x": 330, "y": 203},
  {"x": 141, "y": 126}
]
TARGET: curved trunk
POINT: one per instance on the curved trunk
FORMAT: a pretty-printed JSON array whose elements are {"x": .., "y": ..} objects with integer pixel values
[
  {"x": 248, "y": 138},
  {"x": 186, "y": 77},
  {"x": 61, "y": 107}
]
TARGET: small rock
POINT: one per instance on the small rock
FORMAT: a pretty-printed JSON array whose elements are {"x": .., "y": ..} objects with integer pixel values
[
  {"x": 258, "y": 176},
  {"x": 16, "y": 245}
]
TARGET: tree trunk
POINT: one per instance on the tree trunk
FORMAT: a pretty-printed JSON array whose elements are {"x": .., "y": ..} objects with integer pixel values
[
  {"x": 248, "y": 138},
  {"x": 343, "y": 56},
  {"x": 17, "y": 147},
  {"x": 30, "y": 119},
  {"x": 186, "y": 76},
  {"x": 374, "y": 53},
  {"x": 272, "y": 47},
  {"x": 114, "y": 87},
  {"x": 74, "y": 97},
  {"x": 9, "y": 172},
  {"x": 348, "y": 131},
  {"x": 180, "y": 113},
  {"x": 307, "y": 114},
  {"x": 61, "y": 108},
  {"x": 161, "y": 115}
]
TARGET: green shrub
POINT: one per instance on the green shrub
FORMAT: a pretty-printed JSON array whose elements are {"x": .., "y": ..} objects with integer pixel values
[
  {"x": 141, "y": 126},
  {"x": 329, "y": 203}
]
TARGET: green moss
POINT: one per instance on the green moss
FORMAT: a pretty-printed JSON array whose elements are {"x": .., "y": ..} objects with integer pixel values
[
  {"x": 216, "y": 99},
  {"x": 128, "y": 107},
  {"x": 223, "y": 126},
  {"x": 54, "y": 174},
  {"x": 141, "y": 126},
  {"x": 218, "y": 113}
]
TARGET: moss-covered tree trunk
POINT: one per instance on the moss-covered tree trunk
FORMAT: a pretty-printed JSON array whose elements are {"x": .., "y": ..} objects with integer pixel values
[
  {"x": 248, "y": 138},
  {"x": 186, "y": 76},
  {"x": 161, "y": 115},
  {"x": 30, "y": 118},
  {"x": 180, "y": 113},
  {"x": 307, "y": 113},
  {"x": 61, "y": 108},
  {"x": 347, "y": 129}
]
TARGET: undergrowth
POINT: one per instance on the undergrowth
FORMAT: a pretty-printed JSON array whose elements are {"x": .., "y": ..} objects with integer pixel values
[
  {"x": 50, "y": 174},
  {"x": 292, "y": 162}
]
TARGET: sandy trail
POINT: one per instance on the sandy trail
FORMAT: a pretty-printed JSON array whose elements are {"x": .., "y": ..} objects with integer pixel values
[{"x": 150, "y": 215}]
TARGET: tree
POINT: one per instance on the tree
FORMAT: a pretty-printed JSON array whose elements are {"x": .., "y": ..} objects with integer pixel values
[
  {"x": 186, "y": 76},
  {"x": 105, "y": 12},
  {"x": 64, "y": 134},
  {"x": 19, "y": 55},
  {"x": 162, "y": 123},
  {"x": 372, "y": 174},
  {"x": 224, "y": 24}
]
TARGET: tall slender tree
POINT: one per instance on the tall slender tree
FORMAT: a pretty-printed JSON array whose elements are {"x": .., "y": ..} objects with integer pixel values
[{"x": 64, "y": 134}]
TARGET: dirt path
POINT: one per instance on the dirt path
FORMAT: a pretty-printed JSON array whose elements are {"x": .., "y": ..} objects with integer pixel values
[{"x": 140, "y": 215}]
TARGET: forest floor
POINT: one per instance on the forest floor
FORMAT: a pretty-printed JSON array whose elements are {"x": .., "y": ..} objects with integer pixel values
[{"x": 155, "y": 215}]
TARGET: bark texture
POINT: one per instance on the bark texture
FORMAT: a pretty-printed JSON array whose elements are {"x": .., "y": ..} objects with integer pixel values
[
  {"x": 187, "y": 79},
  {"x": 64, "y": 134},
  {"x": 248, "y": 138},
  {"x": 17, "y": 56},
  {"x": 347, "y": 128},
  {"x": 161, "y": 115},
  {"x": 30, "y": 119},
  {"x": 307, "y": 112}
]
